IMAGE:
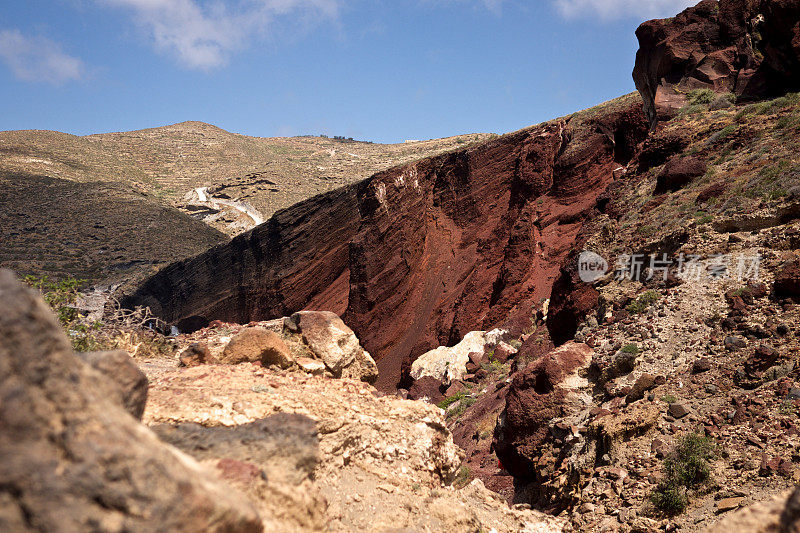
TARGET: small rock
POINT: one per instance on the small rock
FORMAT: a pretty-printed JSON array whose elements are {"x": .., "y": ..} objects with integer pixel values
[
  {"x": 701, "y": 365},
  {"x": 503, "y": 352},
  {"x": 643, "y": 384},
  {"x": 426, "y": 387},
  {"x": 728, "y": 504},
  {"x": 659, "y": 448},
  {"x": 311, "y": 366},
  {"x": 195, "y": 354},
  {"x": 734, "y": 343},
  {"x": 257, "y": 344},
  {"x": 678, "y": 410}
]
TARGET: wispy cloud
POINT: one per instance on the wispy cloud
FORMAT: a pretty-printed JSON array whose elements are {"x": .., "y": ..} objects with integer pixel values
[
  {"x": 202, "y": 35},
  {"x": 493, "y": 5},
  {"x": 38, "y": 59},
  {"x": 615, "y": 9}
]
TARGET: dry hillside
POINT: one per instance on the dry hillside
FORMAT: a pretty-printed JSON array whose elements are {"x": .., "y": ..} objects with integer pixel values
[{"x": 170, "y": 162}]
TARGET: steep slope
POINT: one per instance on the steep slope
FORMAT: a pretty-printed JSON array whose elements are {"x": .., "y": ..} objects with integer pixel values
[
  {"x": 419, "y": 255},
  {"x": 93, "y": 231}
]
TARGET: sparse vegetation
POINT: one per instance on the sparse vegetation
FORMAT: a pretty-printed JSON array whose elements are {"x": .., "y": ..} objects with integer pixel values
[
  {"x": 61, "y": 297},
  {"x": 124, "y": 330},
  {"x": 686, "y": 468},
  {"x": 462, "y": 477},
  {"x": 463, "y": 400},
  {"x": 632, "y": 349},
  {"x": 643, "y": 302},
  {"x": 669, "y": 398},
  {"x": 700, "y": 97},
  {"x": 447, "y": 402}
]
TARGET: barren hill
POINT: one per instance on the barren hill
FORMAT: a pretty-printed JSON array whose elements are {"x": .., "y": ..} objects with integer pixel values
[{"x": 170, "y": 162}]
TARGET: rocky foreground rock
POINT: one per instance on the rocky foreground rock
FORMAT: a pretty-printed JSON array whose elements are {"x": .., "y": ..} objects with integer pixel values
[
  {"x": 73, "y": 459},
  {"x": 304, "y": 452}
]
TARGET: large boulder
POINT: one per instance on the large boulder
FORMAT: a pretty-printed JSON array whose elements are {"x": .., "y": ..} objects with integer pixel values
[
  {"x": 72, "y": 459},
  {"x": 751, "y": 49},
  {"x": 679, "y": 171},
  {"x": 334, "y": 344},
  {"x": 449, "y": 363},
  {"x": 787, "y": 280},
  {"x": 130, "y": 383},
  {"x": 257, "y": 345},
  {"x": 551, "y": 390}
]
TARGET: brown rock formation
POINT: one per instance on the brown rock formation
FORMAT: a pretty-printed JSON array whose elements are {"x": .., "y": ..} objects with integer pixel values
[
  {"x": 750, "y": 48},
  {"x": 417, "y": 256},
  {"x": 71, "y": 459},
  {"x": 787, "y": 280},
  {"x": 548, "y": 389},
  {"x": 257, "y": 344}
]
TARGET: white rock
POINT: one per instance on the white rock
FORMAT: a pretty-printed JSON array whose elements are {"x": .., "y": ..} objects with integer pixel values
[{"x": 450, "y": 363}]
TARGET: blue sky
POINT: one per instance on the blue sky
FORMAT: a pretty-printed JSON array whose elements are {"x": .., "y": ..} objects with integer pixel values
[{"x": 376, "y": 70}]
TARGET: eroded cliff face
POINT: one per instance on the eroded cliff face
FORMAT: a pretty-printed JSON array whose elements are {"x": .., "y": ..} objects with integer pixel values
[
  {"x": 418, "y": 256},
  {"x": 749, "y": 48}
]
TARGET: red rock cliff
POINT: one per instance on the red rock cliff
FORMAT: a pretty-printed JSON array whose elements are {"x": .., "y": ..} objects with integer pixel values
[
  {"x": 417, "y": 256},
  {"x": 747, "y": 47}
]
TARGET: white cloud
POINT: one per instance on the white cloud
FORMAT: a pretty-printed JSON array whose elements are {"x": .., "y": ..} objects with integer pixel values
[
  {"x": 38, "y": 59},
  {"x": 493, "y": 5},
  {"x": 203, "y": 34},
  {"x": 614, "y": 9}
]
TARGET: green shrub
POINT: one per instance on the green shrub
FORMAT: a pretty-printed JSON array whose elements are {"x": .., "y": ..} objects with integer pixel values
[
  {"x": 495, "y": 367},
  {"x": 447, "y": 402},
  {"x": 700, "y": 96},
  {"x": 693, "y": 109},
  {"x": 631, "y": 349},
  {"x": 643, "y": 302},
  {"x": 462, "y": 477},
  {"x": 61, "y": 296},
  {"x": 688, "y": 463},
  {"x": 724, "y": 133},
  {"x": 669, "y": 498},
  {"x": 685, "y": 467},
  {"x": 669, "y": 398}
]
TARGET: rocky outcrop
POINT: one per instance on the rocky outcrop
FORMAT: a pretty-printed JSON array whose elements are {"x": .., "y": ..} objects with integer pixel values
[
  {"x": 317, "y": 454},
  {"x": 787, "y": 280},
  {"x": 418, "y": 256},
  {"x": 314, "y": 342},
  {"x": 778, "y": 514},
  {"x": 334, "y": 344},
  {"x": 552, "y": 390},
  {"x": 72, "y": 459},
  {"x": 450, "y": 364},
  {"x": 256, "y": 345},
  {"x": 751, "y": 49},
  {"x": 679, "y": 171}
]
